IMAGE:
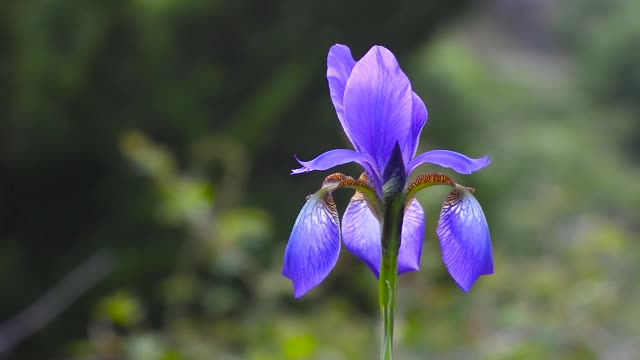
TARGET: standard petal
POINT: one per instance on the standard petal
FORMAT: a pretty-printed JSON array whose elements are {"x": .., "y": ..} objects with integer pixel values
[
  {"x": 314, "y": 244},
  {"x": 418, "y": 119},
  {"x": 412, "y": 238},
  {"x": 361, "y": 232},
  {"x": 377, "y": 105},
  {"x": 339, "y": 66},
  {"x": 361, "y": 235},
  {"x": 464, "y": 238},
  {"x": 330, "y": 159},
  {"x": 450, "y": 159}
]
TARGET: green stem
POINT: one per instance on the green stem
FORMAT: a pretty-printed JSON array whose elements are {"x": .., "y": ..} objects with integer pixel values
[{"x": 387, "y": 285}]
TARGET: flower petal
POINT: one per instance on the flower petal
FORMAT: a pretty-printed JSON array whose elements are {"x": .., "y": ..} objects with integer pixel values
[
  {"x": 464, "y": 238},
  {"x": 314, "y": 243},
  {"x": 377, "y": 105},
  {"x": 412, "y": 238},
  {"x": 361, "y": 232},
  {"x": 339, "y": 66},
  {"x": 330, "y": 159},
  {"x": 361, "y": 235},
  {"x": 450, "y": 159},
  {"x": 418, "y": 119}
]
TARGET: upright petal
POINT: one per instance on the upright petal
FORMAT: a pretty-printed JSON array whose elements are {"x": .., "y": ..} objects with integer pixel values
[
  {"x": 450, "y": 159},
  {"x": 377, "y": 105},
  {"x": 412, "y": 238},
  {"x": 418, "y": 119},
  {"x": 361, "y": 235},
  {"x": 330, "y": 159},
  {"x": 339, "y": 66},
  {"x": 464, "y": 238},
  {"x": 314, "y": 243}
]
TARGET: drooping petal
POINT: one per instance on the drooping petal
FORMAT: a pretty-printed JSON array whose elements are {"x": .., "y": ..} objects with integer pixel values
[
  {"x": 377, "y": 105},
  {"x": 450, "y": 159},
  {"x": 464, "y": 238},
  {"x": 314, "y": 243},
  {"x": 361, "y": 235},
  {"x": 339, "y": 66},
  {"x": 330, "y": 159},
  {"x": 412, "y": 238},
  {"x": 418, "y": 119},
  {"x": 361, "y": 232}
]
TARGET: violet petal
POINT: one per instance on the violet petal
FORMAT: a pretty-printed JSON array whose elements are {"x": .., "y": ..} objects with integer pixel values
[
  {"x": 331, "y": 159},
  {"x": 412, "y": 238},
  {"x": 361, "y": 235},
  {"x": 339, "y": 66},
  {"x": 464, "y": 238},
  {"x": 377, "y": 105},
  {"x": 418, "y": 119},
  {"x": 450, "y": 159},
  {"x": 314, "y": 243}
]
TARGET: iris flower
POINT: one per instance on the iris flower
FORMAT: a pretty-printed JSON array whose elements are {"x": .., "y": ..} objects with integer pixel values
[{"x": 383, "y": 119}]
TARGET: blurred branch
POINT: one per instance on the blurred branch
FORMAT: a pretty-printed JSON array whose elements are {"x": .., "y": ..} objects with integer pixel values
[{"x": 60, "y": 297}]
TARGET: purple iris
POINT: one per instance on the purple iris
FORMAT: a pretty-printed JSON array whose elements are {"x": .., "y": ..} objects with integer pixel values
[{"x": 379, "y": 112}]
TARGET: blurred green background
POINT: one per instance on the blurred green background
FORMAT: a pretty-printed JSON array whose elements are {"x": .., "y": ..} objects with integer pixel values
[{"x": 145, "y": 150}]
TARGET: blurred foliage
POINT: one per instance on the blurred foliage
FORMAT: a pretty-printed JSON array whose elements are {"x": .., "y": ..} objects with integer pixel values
[
  {"x": 223, "y": 89},
  {"x": 164, "y": 131}
]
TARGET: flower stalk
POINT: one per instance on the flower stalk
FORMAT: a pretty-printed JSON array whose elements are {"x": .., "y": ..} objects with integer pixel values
[{"x": 387, "y": 284}]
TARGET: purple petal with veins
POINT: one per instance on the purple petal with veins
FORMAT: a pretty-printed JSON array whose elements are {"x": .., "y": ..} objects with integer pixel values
[
  {"x": 314, "y": 244},
  {"x": 464, "y": 238}
]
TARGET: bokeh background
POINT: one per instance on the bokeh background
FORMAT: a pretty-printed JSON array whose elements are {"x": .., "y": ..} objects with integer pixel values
[{"x": 145, "y": 196}]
